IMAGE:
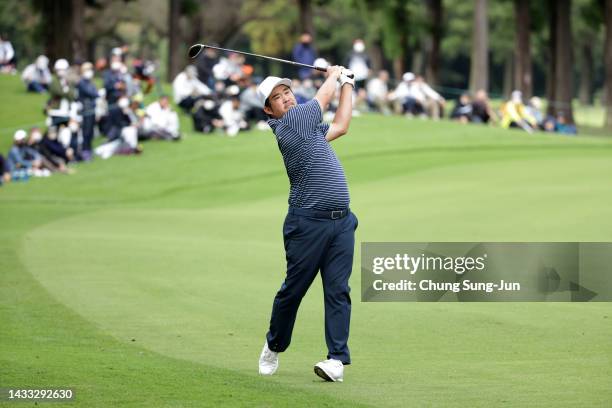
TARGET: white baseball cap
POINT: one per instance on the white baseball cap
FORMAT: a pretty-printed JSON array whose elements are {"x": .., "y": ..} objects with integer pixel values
[
  {"x": 20, "y": 135},
  {"x": 408, "y": 76},
  {"x": 267, "y": 85},
  {"x": 61, "y": 64}
]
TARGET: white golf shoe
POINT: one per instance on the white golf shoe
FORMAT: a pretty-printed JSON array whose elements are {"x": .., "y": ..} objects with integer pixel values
[
  {"x": 268, "y": 361},
  {"x": 330, "y": 370}
]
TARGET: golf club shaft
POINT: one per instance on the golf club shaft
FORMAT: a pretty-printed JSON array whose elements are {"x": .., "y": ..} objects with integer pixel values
[{"x": 200, "y": 47}]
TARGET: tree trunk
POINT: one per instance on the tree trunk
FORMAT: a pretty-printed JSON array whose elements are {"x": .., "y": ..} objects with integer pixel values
[
  {"x": 174, "y": 40},
  {"x": 377, "y": 56},
  {"x": 77, "y": 23},
  {"x": 563, "y": 64},
  {"x": 586, "y": 71},
  {"x": 55, "y": 14},
  {"x": 398, "y": 67},
  {"x": 479, "y": 70},
  {"x": 306, "y": 24},
  {"x": 508, "y": 76},
  {"x": 434, "y": 10},
  {"x": 608, "y": 62},
  {"x": 552, "y": 59},
  {"x": 522, "y": 48}
]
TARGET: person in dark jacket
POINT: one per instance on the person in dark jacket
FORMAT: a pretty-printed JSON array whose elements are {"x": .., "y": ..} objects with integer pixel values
[
  {"x": 88, "y": 93},
  {"x": 305, "y": 54}
]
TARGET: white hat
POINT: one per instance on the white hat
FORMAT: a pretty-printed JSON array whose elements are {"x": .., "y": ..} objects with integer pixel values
[
  {"x": 321, "y": 63},
  {"x": 61, "y": 64},
  {"x": 42, "y": 62},
  {"x": 408, "y": 76},
  {"x": 20, "y": 135},
  {"x": 265, "y": 88}
]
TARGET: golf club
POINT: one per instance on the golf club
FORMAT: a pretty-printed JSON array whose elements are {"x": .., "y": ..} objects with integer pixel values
[{"x": 196, "y": 49}]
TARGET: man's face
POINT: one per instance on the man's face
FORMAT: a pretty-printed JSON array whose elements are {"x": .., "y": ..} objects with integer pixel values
[
  {"x": 164, "y": 103},
  {"x": 280, "y": 100}
]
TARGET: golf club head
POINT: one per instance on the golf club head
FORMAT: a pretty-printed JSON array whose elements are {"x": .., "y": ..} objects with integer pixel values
[{"x": 195, "y": 50}]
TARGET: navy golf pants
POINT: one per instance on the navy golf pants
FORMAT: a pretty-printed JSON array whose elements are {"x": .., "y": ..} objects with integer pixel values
[{"x": 312, "y": 244}]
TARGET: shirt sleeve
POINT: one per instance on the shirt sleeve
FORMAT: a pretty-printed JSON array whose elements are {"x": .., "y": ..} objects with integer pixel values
[{"x": 304, "y": 118}]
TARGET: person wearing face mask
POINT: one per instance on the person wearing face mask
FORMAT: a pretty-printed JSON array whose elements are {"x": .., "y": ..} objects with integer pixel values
[
  {"x": 88, "y": 93},
  {"x": 304, "y": 53},
  {"x": 188, "y": 89},
  {"x": 51, "y": 148},
  {"x": 359, "y": 63},
  {"x": 61, "y": 94},
  {"x": 37, "y": 76},
  {"x": 115, "y": 89}
]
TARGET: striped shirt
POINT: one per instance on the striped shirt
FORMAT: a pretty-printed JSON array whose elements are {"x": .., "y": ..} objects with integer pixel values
[{"x": 316, "y": 176}]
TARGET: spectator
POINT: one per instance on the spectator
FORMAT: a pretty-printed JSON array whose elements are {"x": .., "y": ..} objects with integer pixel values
[
  {"x": 37, "y": 76},
  {"x": 514, "y": 114},
  {"x": 359, "y": 62},
  {"x": 463, "y": 109},
  {"x": 229, "y": 69},
  {"x": 251, "y": 107},
  {"x": 125, "y": 133},
  {"x": 49, "y": 160},
  {"x": 161, "y": 122},
  {"x": 188, "y": 89},
  {"x": 304, "y": 54},
  {"x": 143, "y": 73},
  {"x": 8, "y": 61},
  {"x": 22, "y": 160},
  {"x": 431, "y": 101},
  {"x": 378, "y": 93},
  {"x": 88, "y": 93},
  {"x": 482, "y": 112},
  {"x": 402, "y": 96},
  {"x": 51, "y": 146},
  {"x": 5, "y": 172},
  {"x": 563, "y": 126},
  {"x": 534, "y": 109},
  {"x": 304, "y": 90},
  {"x": 61, "y": 94},
  {"x": 232, "y": 115},
  {"x": 206, "y": 116},
  {"x": 205, "y": 65},
  {"x": 115, "y": 88}
]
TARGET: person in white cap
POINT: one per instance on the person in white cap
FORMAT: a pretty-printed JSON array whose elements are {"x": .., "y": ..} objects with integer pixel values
[
  {"x": 22, "y": 158},
  {"x": 319, "y": 230},
  {"x": 37, "y": 76}
]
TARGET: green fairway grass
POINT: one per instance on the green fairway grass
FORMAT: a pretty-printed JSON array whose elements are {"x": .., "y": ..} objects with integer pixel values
[{"x": 148, "y": 280}]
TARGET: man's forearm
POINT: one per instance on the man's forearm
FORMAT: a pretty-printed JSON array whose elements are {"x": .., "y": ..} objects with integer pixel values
[
  {"x": 326, "y": 91},
  {"x": 344, "y": 112}
]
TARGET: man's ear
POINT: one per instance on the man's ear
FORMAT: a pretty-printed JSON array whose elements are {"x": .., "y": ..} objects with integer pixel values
[{"x": 268, "y": 111}]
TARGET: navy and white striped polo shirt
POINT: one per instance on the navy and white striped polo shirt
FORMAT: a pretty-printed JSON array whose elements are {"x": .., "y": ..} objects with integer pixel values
[{"x": 316, "y": 176}]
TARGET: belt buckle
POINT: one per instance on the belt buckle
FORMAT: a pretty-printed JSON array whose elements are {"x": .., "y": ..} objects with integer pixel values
[{"x": 333, "y": 214}]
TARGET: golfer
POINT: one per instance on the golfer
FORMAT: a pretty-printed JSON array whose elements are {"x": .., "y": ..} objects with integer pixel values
[{"x": 319, "y": 230}]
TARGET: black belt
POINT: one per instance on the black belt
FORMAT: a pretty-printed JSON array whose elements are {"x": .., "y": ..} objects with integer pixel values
[{"x": 332, "y": 215}]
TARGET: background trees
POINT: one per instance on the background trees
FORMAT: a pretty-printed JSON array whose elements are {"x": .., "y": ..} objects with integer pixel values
[{"x": 558, "y": 49}]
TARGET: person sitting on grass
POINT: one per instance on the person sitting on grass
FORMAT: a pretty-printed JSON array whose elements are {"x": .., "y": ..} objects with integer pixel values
[
  {"x": 514, "y": 114},
  {"x": 462, "y": 111},
  {"x": 5, "y": 172},
  {"x": 37, "y": 76},
  {"x": 49, "y": 160},
  {"x": 161, "y": 122},
  {"x": 22, "y": 162},
  {"x": 482, "y": 111},
  {"x": 188, "y": 89}
]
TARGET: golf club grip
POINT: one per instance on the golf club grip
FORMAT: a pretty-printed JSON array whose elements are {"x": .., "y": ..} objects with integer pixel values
[{"x": 325, "y": 70}]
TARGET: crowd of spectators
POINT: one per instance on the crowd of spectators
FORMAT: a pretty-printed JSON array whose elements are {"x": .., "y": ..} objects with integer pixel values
[{"x": 219, "y": 95}]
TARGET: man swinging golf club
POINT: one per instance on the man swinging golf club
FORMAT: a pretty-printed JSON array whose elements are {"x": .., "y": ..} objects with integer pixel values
[{"x": 319, "y": 230}]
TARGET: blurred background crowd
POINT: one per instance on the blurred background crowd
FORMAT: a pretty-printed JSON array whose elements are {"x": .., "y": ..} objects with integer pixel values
[{"x": 96, "y": 86}]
